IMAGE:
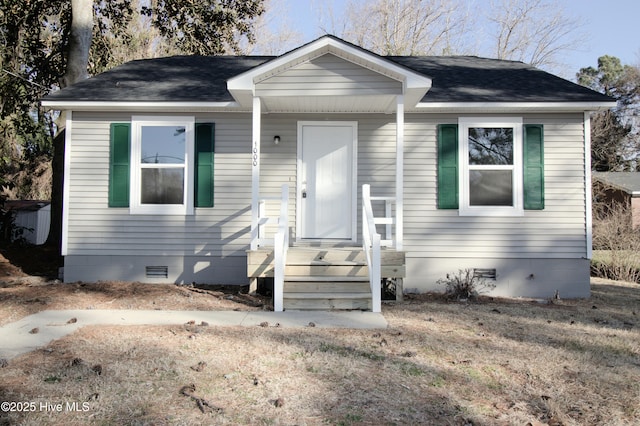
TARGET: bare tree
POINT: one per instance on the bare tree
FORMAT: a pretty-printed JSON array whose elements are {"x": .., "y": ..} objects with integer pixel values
[
  {"x": 532, "y": 31},
  {"x": 273, "y": 32},
  {"x": 405, "y": 27}
]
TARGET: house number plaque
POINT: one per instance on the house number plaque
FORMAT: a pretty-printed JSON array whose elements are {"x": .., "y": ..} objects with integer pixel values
[{"x": 255, "y": 154}]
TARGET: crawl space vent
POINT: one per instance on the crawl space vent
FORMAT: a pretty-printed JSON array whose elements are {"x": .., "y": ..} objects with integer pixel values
[
  {"x": 157, "y": 272},
  {"x": 484, "y": 273}
]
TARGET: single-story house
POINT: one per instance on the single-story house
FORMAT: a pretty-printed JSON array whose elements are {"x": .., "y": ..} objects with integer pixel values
[
  {"x": 619, "y": 188},
  {"x": 326, "y": 166},
  {"x": 31, "y": 220}
]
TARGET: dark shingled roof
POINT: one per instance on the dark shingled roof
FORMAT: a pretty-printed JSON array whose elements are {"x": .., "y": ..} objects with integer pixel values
[
  {"x": 204, "y": 79},
  {"x": 473, "y": 79},
  {"x": 171, "y": 79}
]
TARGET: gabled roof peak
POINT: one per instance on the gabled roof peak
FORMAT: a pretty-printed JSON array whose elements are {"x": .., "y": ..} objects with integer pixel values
[{"x": 415, "y": 85}]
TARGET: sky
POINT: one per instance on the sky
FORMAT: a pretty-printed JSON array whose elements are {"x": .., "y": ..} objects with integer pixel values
[{"x": 610, "y": 27}]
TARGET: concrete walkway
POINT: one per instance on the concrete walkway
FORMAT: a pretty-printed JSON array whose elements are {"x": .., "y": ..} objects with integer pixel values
[{"x": 17, "y": 338}]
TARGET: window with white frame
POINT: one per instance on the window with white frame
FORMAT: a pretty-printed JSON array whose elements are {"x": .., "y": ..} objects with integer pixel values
[
  {"x": 162, "y": 169},
  {"x": 491, "y": 166}
]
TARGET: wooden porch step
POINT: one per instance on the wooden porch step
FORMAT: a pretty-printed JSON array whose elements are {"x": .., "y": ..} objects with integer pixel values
[
  {"x": 307, "y": 303},
  {"x": 328, "y": 278},
  {"x": 321, "y": 278},
  {"x": 316, "y": 296},
  {"x": 337, "y": 287},
  {"x": 338, "y": 261},
  {"x": 327, "y": 270},
  {"x": 333, "y": 256},
  {"x": 325, "y": 292}
]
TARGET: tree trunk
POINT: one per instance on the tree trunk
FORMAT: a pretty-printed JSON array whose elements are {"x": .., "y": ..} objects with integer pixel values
[
  {"x": 57, "y": 165},
  {"x": 77, "y": 64},
  {"x": 79, "y": 42}
]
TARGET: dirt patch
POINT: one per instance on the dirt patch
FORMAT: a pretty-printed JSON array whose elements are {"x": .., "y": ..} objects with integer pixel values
[
  {"x": 22, "y": 294},
  {"x": 22, "y": 298}
]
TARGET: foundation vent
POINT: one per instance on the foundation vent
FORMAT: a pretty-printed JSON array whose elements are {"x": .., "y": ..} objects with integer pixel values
[
  {"x": 485, "y": 273},
  {"x": 157, "y": 271}
]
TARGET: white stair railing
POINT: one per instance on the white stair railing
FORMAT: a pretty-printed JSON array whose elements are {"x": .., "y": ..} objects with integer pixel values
[
  {"x": 263, "y": 220},
  {"x": 390, "y": 238},
  {"x": 280, "y": 250},
  {"x": 371, "y": 245}
]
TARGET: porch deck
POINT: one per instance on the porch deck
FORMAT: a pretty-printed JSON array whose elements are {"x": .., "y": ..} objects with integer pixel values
[{"x": 326, "y": 277}]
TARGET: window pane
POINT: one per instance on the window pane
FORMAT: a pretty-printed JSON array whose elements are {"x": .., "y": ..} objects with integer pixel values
[
  {"x": 162, "y": 186},
  {"x": 490, "y": 188},
  {"x": 163, "y": 144},
  {"x": 489, "y": 146}
]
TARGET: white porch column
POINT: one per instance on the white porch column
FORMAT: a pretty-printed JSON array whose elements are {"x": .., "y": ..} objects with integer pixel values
[
  {"x": 399, "y": 170},
  {"x": 255, "y": 171},
  {"x": 587, "y": 183}
]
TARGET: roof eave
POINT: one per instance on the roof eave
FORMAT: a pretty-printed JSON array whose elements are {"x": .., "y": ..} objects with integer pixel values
[
  {"x": 140, "y": 106},
  {"x": 511, "y": 107}
]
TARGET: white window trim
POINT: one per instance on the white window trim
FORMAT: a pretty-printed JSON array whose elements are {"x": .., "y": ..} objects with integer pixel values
[
  {"x": 464, "y": 123},
  {"x": 136, "y": 207}
]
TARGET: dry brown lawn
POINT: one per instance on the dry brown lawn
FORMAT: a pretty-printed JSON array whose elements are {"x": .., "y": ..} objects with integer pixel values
[{"x": 494, "y": 362}]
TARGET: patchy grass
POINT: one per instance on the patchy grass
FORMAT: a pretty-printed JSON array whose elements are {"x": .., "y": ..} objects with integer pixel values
[{"x": 496, "y": 362}]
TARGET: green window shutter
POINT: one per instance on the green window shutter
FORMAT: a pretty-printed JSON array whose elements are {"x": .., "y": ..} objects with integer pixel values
[
  {"x": 205, "y": 148},
  {"x": 119, "y": 157},
  {"x": 533, "y": 167},
  {"x": 448, "y": 166}
]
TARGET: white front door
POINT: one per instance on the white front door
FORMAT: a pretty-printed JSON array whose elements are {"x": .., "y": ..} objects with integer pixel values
[{"x": 326, "y": 180}]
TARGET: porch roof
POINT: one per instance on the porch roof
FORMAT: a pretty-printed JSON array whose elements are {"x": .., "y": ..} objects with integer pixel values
[{"x": 221, "y": 82}]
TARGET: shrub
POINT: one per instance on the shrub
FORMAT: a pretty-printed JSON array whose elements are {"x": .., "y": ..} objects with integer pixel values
[
  {"x": 465, "y": 285},
  {"x": 616, "y": 244}
]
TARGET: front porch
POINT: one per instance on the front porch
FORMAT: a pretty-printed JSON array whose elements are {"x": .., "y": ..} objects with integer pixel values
[{"x": 335, "y": 147}]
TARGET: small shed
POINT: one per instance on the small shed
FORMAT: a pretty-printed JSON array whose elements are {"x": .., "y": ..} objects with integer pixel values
[
  {"x": 34, "y": 217},
  {"x": 619, "y": 188}
]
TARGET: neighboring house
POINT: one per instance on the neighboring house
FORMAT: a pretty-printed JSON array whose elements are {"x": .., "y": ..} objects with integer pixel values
[
  {"x": 31, "y": 221},
  {"x": 173, "y": 165},
  {"x": 621, "y": 188}
]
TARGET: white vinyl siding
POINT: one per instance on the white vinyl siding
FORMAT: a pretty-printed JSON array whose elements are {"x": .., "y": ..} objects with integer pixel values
[
  {"x": 96, "y": 229},
  {"x": 222, "y": 230},
  {"x": 558, "y": 231},
  {"x": 328, "y": 75},
  {"x": 376, "y": 156}
]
